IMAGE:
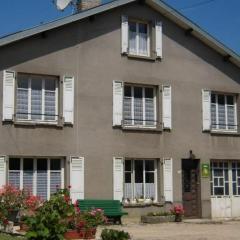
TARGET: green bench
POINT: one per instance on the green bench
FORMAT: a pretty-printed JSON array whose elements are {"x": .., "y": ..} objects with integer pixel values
[{"x": 112, "y": 208}]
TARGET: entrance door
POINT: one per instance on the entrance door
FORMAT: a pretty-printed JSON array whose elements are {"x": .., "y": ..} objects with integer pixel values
[{"x": 191, "y": 188}]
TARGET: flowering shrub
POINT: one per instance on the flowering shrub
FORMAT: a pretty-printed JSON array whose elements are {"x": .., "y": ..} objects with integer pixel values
[
  {"x": 12, "y": 198},
  {"x": 52, "y": 218},
  {"x": 32, "y": 202},
  {"x": 91, "y": 219},
  {"x": 177, "y": 210}
]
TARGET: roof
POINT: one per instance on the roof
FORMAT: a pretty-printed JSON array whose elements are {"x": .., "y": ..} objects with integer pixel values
[{"x": 158, "y": 5}]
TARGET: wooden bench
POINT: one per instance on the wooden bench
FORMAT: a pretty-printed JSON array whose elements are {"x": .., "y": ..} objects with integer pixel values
[{"x": 112, "y": 208}]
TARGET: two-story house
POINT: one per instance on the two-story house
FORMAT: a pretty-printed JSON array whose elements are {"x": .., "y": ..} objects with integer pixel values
[{"x": 128, "y": 100}]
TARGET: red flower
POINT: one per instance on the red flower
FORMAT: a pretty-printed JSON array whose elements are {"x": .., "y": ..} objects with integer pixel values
[{"x": 69, "y": 186}]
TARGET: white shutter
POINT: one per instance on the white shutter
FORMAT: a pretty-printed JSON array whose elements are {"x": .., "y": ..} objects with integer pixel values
[
  {"x": 167, "y": 107},
  {"x": 2, "y": 171},
  {"x": 117, "y": 103},
  {"x": 124, "y": 34},
  {"x": 168, "y": 179},
  {"x": 8, "y": 95},
  {"x": 206, "y": 114},
  {"x": 68, "y": 99},
  {"x": 77, "y": 178},
  {"x": 158, "y": 34},
  {"x": 118, "y": 178}
]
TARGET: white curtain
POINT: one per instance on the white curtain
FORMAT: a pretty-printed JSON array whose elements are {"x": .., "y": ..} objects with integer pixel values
[
  {"x": 50, "y": 105},
  {"x": 22, "y": 103}
]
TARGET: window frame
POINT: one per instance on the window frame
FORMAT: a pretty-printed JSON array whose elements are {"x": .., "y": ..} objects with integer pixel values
[
  {"x": 217, "y": 129},
  {"x": 133, "y": 183},
  {"x": 137, "y": 22},
  {"x": 35, "y": 159},
  {"x": 57, "y": 99},
  {"x": 143, "y": 125},
  {"x": 230, "y": 181}
]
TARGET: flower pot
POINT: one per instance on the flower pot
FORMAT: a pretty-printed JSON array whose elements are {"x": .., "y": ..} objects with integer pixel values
[
  {"x": 90, "y": 233},
  {"x": 23, "y": 226},
  {"x": 12, "y": 216},
  {"x": 71, "y": 234},
  {"x": 178, "y": 218}
]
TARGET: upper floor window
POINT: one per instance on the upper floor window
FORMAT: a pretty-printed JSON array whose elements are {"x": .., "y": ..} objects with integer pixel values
[
  {"x": 223, "y": 112},
  {"x": 139, "y": 39},
  {"x": 37, "y": 97},
  {"x": 139, "y": 106},
  {"x": 136, "y": 38}
]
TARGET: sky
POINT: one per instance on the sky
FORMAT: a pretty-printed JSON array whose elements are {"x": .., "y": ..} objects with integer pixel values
[{"x": 220, "y": 18}]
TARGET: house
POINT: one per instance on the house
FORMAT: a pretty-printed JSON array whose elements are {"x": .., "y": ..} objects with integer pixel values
[{"x": 127, "y": 100}]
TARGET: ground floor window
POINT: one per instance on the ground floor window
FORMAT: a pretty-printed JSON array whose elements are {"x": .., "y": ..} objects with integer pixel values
[
  {"x": 225, "y": 178},
  {"x": 39, "y": 176},
  {"x": 140, "y": 179}
]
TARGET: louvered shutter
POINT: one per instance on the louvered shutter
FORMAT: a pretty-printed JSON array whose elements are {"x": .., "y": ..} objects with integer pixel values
[
  {"x": 168, "y": 179},
  {"x": 158, "y": 34},
  {"x": 77, "y": 178},
  {"x": 2, "y": 171},
  {"x": 68, "y": 99},
  {"x": 167, "y": 107},
  {"x": 117, "y": 103},
  {"x": 124, "y": 34},
  {"x": 8, "y": 95},
  {"x": 206, "y": 109},
  {"x": 118, "y": 178}
]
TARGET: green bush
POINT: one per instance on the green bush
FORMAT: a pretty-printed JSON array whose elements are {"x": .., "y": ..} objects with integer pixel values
[
  {"x": 49, "y": 221},
  {"x": 111, "y": 234}
]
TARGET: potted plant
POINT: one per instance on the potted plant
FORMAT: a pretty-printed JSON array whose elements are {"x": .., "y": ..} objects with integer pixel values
[
  {"x": 178, "y": 211},
  {"x": 88, "y": 222},
  {"x": 12, "y": 199}
]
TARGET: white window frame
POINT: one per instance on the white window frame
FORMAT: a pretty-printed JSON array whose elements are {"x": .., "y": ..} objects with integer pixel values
[
  {"x": 143, "y": 125},
  {"x": 217, "y": 129},
  {"x": 34, "y": 191},
  {"x": 133, "y": 184},
  {"x": 137, "y": 53},
  {"x": 42, "y": 120},
  {"x": 229, "y": 181}
]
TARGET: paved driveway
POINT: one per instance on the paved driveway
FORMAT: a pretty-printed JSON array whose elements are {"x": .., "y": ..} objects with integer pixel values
[{"x": 183, "y": 231}]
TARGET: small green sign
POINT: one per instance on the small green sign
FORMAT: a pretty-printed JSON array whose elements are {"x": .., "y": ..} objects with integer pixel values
[{"x": 205, "y": 170}]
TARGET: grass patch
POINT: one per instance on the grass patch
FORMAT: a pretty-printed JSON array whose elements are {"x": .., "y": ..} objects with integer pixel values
[{"x": 10, "y": 237}]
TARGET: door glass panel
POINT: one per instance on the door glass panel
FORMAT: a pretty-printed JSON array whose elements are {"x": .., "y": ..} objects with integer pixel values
[
  {"x": 14, "y": 172},
  {"x": 28, "y": 174},
  {"x": 55, "y": 175},
  {"x": 42, "y": 178},
  {"x": 139, "y": 179}
]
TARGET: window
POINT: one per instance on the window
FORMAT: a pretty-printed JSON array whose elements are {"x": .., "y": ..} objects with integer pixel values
[
  {"x": 37, "y": 98},
  {"x": 139, "y": 106},
  {"x": 139, "y": 43},
  {"x": 225, "y": 178},
  {"x": 223, "y": 112},
  {"x": 38, "y": 176},
  {"x": 140, "y": 179}
]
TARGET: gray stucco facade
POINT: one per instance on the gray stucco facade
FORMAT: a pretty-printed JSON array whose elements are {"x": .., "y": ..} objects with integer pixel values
[{"x": 90, "y": 50}]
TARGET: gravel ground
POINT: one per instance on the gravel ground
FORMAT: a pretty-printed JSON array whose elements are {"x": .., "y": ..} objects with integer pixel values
[{"x": 181, "y": 231}]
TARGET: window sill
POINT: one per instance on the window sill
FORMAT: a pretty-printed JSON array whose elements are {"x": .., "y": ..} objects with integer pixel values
[
  {"x": 224, "y": 132},
  {"x": 149, "y": 58},
  {"x": 36, "y": 123},
  {"x": 141, "y": 128}
]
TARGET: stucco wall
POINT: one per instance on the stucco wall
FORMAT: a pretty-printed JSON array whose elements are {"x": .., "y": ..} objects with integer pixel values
[{"x": 90, "y": 50}]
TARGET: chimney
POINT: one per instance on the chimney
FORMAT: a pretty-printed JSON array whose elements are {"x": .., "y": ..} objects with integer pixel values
[{"x": 87, "y": 4}]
